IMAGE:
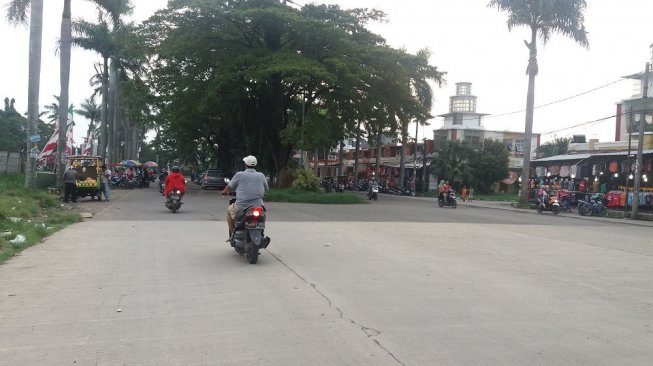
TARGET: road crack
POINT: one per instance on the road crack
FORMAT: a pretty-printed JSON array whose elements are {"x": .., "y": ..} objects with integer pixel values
[{"x": 370, "y": 333}]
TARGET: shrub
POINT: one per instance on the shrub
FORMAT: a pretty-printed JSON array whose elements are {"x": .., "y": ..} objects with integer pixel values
[
  {"x": 306, "y": 181},
  {"x": 286, "y": 178}
]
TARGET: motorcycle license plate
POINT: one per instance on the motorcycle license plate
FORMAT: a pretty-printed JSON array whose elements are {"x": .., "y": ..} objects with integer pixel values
[{"x": 255, "y": 225}]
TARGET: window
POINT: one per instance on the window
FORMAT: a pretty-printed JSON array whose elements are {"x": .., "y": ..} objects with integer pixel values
[
  {"x": 473, "y": 137},
  {"x": 462, "y": 105},
  {"x": 464, "y": 89},
  {"x": 508, "y": 143},
  {"x": 458, "y": 119},
  {"x": 519, "y": 145}
]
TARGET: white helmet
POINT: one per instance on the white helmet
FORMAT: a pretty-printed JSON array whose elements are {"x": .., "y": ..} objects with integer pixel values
[{"x": 250, "y": 160}]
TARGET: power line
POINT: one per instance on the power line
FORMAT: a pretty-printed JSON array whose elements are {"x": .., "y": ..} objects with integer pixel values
[
  {"x": 559, "y": 100},
  {"x": 580, "y": 124}
]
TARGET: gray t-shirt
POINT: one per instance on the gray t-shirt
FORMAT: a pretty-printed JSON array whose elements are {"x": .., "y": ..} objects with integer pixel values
[
  {"x": 250, "y": 186},
  {"x": 70, "y": 176}
]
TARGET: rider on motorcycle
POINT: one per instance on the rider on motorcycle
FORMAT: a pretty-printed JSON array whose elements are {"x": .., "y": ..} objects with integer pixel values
[
  {"x": 250, "y": 186},
  {"x": 444, "y": 192},
  {"x": 175, "y": 181}
]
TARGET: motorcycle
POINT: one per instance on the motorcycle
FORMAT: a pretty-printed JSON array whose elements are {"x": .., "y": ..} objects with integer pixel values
[
  {"x": 373, "y": 192},
  {"x": 594, "y": 206},
  {"x": 449, "y": 200},
  {"x": 548, "y": 202},
  {"x": 249, "y": 233},
  {"x": 173, "y": 203}
]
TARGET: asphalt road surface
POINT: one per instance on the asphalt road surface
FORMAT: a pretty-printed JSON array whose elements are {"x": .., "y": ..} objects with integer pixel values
[{"x": 398, "y": 281}]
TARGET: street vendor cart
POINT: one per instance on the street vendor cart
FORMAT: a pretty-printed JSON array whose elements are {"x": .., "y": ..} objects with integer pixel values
[{"x": 89, "y": 170}]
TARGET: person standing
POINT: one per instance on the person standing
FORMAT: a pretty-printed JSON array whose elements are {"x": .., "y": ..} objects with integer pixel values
[
  {"x": 106, "y": 186},
  {"x": 70, "y": 185}
]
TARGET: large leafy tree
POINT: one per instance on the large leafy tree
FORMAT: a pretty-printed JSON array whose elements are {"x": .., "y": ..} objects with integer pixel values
[
  {"x": 241, "y": 77},
  {"x": 543, "y": 18},
  {"x": 489, "y": 164},
  {"x": 17, "y": 13}
]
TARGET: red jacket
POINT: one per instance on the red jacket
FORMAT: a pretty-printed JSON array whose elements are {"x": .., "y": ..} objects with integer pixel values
[{"x": 175, "y": 181}]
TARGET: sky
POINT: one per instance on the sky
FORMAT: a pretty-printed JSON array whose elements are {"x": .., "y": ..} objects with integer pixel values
[{"x": 468, "y": 41}]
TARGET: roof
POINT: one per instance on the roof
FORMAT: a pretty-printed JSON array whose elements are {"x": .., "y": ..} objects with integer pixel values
[{"x": 569, "y": 157}]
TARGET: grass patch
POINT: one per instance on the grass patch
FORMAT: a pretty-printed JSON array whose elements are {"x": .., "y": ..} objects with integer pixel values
[
  {"x": 295, "y": 196},
  {"x": 506, "y": 197},
  {"x": 32, "y": 215}
]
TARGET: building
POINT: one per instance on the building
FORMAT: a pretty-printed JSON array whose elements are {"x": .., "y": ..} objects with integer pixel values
[
  {"x": 611, "y": 164},
  {"x": 464, "y": 124}
]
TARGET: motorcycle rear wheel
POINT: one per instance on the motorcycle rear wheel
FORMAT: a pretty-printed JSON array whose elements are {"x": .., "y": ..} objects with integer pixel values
[
  {"x": 555, "y": 210},
  {"x": 603, "y": 212},
  {"x": 252, "y": 254},
  {"x": 584, "y": 210},
  {"x": 454, "y": 204}
]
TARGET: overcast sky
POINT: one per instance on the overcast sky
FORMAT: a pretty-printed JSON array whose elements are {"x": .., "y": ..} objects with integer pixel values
[{"x": 468, "y": 40}]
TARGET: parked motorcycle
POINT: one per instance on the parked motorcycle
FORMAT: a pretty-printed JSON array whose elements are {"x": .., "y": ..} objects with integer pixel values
[
  {"x": 594, "y": 206},
  {"x": 448, "y": 199},
  {"x": 373, "y": 192},
  {"x": 249, "y": 233},
  {"x": 548, "y": 203},
  {"x": 173, "y": 202}
]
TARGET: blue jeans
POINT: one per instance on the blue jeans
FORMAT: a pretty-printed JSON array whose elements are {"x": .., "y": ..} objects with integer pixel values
[{"x": 106, "y": 190}]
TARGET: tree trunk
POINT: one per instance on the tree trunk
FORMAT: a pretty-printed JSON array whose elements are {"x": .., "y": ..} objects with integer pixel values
[
  {"x": 135, "y": 142},
  {"x": 377, "y": 170},
  {"x": 104, "y": 128},
  {"x": 402, "y": 156},
  {"x": 111, "y": 107},
  {"x": 35, "y": 41},
  {"x": 358, "y": 144},
  {"x": 64, "y": 80},
  {"x": 528, "y": 128}
]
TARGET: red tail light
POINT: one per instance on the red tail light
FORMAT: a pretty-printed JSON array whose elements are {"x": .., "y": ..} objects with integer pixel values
[{"x": 256, "y": 214}]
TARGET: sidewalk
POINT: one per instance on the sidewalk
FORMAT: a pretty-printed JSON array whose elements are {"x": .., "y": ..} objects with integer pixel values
[{"x": 503, "y": 205}]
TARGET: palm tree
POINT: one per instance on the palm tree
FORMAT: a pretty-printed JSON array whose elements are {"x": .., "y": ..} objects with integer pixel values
[
  {"x": 64, "y": 81},
  {"x": 97, "y": 37},
  {"x": 17, "y": 13},
  {"x": 452, "y": 161},
  {"x": 101, "y": 37},
  {"x": 91, "y": 111},
  {"x": 543, "y": 18},
  {"x": 53, "y": 110}
]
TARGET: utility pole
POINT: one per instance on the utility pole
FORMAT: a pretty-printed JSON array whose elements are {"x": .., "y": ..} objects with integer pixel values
[
  {"x": 301, "y": 141},
  {"x": 640, "y": 146},
  {"x": 415, "y": 161}
]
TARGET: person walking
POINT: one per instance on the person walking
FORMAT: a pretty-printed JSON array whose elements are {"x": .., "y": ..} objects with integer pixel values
[
  {"x": 70, "y": 185},
  {"x": 106, "y": 186}
]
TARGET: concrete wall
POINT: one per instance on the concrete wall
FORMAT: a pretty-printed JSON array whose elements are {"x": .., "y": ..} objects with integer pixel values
[{"x": 9, "y": 162}]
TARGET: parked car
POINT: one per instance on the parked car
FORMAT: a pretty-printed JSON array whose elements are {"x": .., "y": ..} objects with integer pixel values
[{"x": 214, "y": 178}]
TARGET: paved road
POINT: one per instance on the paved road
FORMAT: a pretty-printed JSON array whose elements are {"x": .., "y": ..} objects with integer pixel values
[{"x": 395, "y": 282}]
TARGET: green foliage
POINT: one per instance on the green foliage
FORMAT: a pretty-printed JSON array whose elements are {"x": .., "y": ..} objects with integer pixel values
[
  {"x": 257, "y": 77},
  {"x": 452, "y": 161},
  {"x": 286, "y": 178},
  {"x": 489, "y": 164},
  {"x": 33, "y": 214},
  {"x": 306, "y": 181},
  {"x": 558, "y": 146},
  {"x": 13, "y": 127},
  {"x": 296, "y": 196}
]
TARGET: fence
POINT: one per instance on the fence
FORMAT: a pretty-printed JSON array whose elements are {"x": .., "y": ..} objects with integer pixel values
[{"x": 10, "y": 162}]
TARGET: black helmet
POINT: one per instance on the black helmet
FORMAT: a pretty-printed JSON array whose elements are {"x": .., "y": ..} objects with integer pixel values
[{"x": 175, "y": 169}]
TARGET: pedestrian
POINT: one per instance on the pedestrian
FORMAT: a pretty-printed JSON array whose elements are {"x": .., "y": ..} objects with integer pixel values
[
  {"x": 70, "y": 185},
  {"x": 470, "y": 197},
  {"x": 106, "y": 186}
]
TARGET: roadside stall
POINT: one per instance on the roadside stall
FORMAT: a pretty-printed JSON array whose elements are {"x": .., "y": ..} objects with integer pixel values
[{"x": 89, "y": 170}]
